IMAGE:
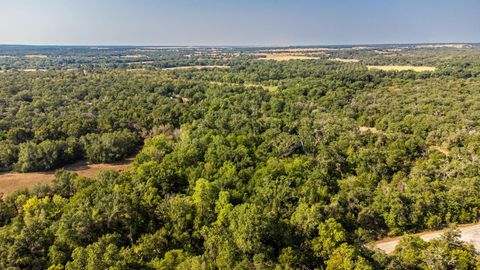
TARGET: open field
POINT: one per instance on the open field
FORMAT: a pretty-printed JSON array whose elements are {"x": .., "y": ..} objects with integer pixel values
[
  {"x": 285, "y": 57},
  {"x": 32, "y": 70},
  {"x": 36, "y": 56},
  {"x": 12, "y": 181},
  {"x": 402, "y": 68},
  {"x": 433, "y": 46},
  {"x": 470, "y": 234},
  {"x": 299, "y": 50},
  {"x": 195, "y": 67}
]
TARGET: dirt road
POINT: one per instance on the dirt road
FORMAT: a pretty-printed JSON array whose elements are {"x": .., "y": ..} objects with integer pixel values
[{"x": 470, "y": 234}]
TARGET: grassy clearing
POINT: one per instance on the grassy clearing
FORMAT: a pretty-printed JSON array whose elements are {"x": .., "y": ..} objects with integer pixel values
[
  {"x": 12, "y": 181},
  {"x": 434, "y": 46},
  {"x": 36, "y": 56},
  {"x": 441, "y": 149},
  {"x": 364, "y": 129},
  {"x": 402, "y": 68},
  {"x": 299, "y": 50},
  {"x": 285, "y": 57},
  {"x": 33, "y": 70},
  {"x": 269, "y": 88}
]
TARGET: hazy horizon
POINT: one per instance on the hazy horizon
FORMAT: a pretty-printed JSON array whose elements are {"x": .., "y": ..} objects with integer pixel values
[
  {"x": 245, "y": 23},
  {"x": 235, "y": 46}
]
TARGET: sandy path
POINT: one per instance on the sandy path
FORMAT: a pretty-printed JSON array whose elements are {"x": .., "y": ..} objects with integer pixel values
[
  {"x": 470, "y": 234},
  {"x": 12, "y": 181}
]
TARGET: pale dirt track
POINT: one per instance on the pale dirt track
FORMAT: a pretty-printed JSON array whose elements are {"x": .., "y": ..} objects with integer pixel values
[
  {"x": 470, "y": 234},
  {"x": 12, "y": 181}
]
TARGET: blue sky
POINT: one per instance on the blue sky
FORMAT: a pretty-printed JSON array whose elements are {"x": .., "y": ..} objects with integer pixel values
[{"x": 237, "y": 22}]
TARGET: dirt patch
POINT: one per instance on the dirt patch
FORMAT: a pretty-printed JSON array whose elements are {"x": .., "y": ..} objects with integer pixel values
[
  {"x": 12, "y": 181},
  {"x": 441, "y": 149},
  {"x": 196, "y": 67},
  {"x": 32, "y": 70},
  {"x": 364, "y": 129},
  {"x": 36, "y": 56},
  {"x": 402, "y": 68}
]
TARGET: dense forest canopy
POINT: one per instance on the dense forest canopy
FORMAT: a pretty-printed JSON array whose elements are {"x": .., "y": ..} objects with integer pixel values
[{"x": 262, "y": 165}]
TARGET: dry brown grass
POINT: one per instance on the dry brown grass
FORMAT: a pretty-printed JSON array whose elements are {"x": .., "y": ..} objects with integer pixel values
[
  {"x": 402, "y": 68},
  {"x": 195, "y": 67},
  {"x": 433, "y": 46},
  {"x": 12, "y": 181},
  {"x": 298, "y": 50},
  {"x": 368, "y": 129},
  {"x": 441, "y": 149},
  {"x": 32, "y": 70},
  {"x": 285, "y": 57},
  {"x": 36, "y": 56}
]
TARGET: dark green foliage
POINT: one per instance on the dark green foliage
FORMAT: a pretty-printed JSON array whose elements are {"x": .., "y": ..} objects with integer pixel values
[
  {"x": 8, "y": 155},
  {"x": 46, "y": 155},
  {"x": 108, "y": 147},
  {"x": 236, "y": 175}
]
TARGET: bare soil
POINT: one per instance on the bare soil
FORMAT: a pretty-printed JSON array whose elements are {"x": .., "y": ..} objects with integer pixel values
[{"x": 12, "y": 181}]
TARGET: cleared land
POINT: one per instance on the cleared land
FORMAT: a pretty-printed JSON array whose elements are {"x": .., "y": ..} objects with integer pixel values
[
  {"x": 402, "y": 68},
  {"x": 299, "y": 50},
  {"x": 433, "y": 46},
  {"x": 470, "y": 234},
  {"x": 32, "y": 70},
  {"x": 36, "y": 56},
  {"x": 364, "y": 129},
  {"x": 285, "y": 57},
  {"x": 12, "y": 181},
  {"x": 195, "y": 67}
]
